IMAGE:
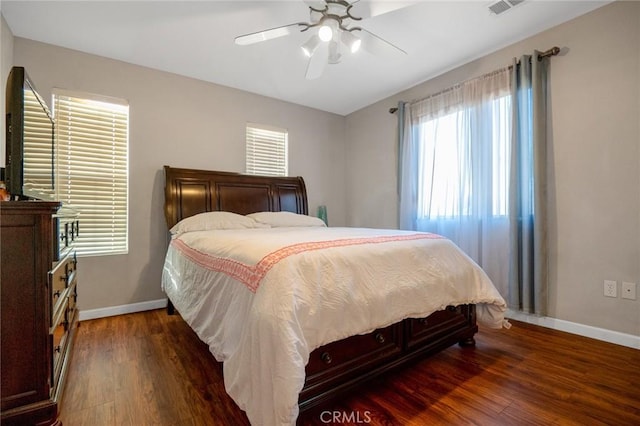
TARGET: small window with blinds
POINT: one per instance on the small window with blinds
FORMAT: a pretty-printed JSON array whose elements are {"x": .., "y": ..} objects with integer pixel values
[
  {"x": 91, "y": 163},
  {"x": 266, "y": 150}
]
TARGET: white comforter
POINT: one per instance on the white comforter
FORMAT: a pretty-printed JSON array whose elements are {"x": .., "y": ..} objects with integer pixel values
[{"x": 263, "y": 299}]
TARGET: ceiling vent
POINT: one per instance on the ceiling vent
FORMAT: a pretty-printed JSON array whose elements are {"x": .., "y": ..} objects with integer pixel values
[{"x": 503, "y": 5}]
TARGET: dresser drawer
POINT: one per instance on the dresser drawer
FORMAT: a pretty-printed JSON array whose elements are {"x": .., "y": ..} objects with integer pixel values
[
  {"x": 347, "y": 357},
  {"x": 62, "y": 337},
  {"x": 437, "y": 324},
  {"x": 73, "y": 297},
  {"x": 58, "y": 338},
  {"x": 66, "y": 231},
  {"x": 61, "y": 278}
]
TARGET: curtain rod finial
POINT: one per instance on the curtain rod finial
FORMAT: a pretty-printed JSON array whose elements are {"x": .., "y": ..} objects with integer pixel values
[{"x": 393, "y": 110}]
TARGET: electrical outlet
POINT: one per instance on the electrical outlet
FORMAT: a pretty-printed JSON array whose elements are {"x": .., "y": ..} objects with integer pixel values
[
  {"x": 610, "y": 288},
  {"x": 629, "y": 290}
]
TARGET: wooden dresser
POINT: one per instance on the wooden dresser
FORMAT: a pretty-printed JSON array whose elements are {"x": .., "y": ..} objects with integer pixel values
[{"x": 38, "y": 290}]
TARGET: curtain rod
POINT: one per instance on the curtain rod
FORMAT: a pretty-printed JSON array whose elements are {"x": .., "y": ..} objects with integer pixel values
[
  {"x": 551, "y": 52},
  {"x": 547, "y": 53}
]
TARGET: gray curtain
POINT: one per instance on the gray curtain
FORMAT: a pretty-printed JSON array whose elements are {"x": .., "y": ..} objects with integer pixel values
[
  {"x": 407, "y": 169},
  {"x": 528, "y": 274}
]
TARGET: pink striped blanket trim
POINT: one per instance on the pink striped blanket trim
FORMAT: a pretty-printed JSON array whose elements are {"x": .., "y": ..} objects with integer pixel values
[{"x": 251, "y": 275}]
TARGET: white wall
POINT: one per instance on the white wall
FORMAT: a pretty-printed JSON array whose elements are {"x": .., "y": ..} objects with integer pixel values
[
  {"x": 595, "y": 160},
  {"x": 180, "y": 122}
]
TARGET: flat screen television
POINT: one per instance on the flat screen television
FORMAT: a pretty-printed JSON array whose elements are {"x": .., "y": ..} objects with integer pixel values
[{"x": 29, "y": 170}]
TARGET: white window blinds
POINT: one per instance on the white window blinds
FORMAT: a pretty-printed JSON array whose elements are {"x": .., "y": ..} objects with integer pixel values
[
  {"x": 92, "y": 169},
  {"x": 266, "y": 150}
]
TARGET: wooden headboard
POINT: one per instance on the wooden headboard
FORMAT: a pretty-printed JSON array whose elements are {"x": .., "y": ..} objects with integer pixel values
[{"x": 188, "y": 192}]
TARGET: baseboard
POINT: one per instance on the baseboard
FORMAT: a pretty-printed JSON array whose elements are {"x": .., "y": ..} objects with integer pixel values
[
  {"x": 122, "y": 309},
  {"x": 605, "y": 335}
]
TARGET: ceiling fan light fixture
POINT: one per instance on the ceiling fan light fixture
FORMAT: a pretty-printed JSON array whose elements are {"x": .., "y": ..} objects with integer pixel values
[
  {"x": 352, "y": 42},
  {"x": 311, "y": 45},
  {"x": 325, "y": 32},
  {"x": 355, "y": 46}
]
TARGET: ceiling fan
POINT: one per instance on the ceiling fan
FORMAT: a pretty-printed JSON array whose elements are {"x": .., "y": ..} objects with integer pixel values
[{"x": 330, "y": 26}]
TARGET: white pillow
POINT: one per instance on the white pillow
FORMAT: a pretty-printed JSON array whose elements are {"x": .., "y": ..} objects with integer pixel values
[
  {"x": 215, "y": 220},
  {"x": 285, "y": 219}
]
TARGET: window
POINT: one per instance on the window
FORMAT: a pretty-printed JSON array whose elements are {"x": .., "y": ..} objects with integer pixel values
[
  {"x": 464, "y": 168},
  {"x": 91, "y": 166},
  {"x": 266, "y": 150}
]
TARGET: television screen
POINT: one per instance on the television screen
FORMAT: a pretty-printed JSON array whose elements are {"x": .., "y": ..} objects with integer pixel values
[{"x": 30, "y": 146}]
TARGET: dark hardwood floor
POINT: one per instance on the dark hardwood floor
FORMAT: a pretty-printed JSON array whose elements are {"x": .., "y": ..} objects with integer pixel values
[{"x": 150, "y": 369}]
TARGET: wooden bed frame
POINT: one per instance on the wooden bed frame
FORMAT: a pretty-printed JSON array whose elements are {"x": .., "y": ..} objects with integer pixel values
[{"x": 339, "y": 366}]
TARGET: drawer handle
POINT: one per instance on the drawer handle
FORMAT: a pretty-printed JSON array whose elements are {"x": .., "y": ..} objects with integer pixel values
[
  {"x": 57, "y": 349},
  {"x": 56, "y": 293},
  {"x": 379, "y": 338},
  {"x": 326, "y": 358}
]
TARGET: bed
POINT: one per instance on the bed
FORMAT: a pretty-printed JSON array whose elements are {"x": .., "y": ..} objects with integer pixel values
[{"x": 277, "y": 365}]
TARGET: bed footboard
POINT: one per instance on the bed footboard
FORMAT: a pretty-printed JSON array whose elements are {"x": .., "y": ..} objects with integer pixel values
[{"x": 340, "y": 366}]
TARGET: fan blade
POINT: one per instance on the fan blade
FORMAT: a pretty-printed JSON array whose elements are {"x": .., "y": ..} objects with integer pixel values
[
  {"x": 367, "y": 9},
  {"x": 376, "y": 45},
  {"x": 266, "y": 34},
  {"x": 318, "y": 62}
]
